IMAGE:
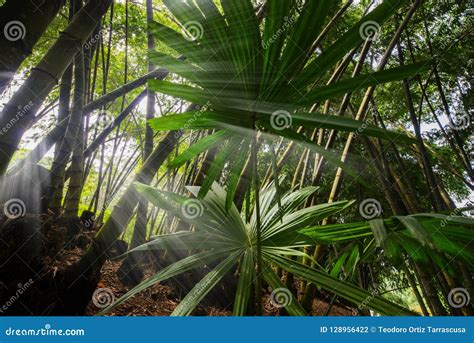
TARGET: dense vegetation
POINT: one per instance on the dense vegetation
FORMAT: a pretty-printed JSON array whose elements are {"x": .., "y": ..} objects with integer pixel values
[{"x": 282, "y": 153}]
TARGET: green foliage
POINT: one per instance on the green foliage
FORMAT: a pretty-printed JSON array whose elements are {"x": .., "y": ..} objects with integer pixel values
[
  {"x": 249, "y": 80},
  {"x": 217, "y": 229}
]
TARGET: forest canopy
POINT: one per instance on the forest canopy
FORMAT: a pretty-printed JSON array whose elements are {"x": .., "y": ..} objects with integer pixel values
[{"x": 236, "y": 157}]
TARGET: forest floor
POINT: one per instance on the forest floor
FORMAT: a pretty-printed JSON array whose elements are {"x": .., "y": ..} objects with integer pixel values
[{"x": 158, "y": 300}]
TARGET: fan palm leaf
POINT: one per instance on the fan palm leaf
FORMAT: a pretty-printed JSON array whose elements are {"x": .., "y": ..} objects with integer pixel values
[
  {"x": 216, "y": 230},
  {"x": 250, "y": 77}
]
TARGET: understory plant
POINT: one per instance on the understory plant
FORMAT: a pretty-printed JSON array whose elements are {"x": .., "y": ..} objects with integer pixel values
[{"x": 222, "y": 235}]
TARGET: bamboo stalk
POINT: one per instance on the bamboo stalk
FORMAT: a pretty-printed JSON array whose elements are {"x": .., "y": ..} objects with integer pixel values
[
  {"x": 361, "y": 113},
  {"x": 140, "y": 229},
  {"x": 77, "y": 120},
  {"x": 35, "y": 18},
  {"x": 44, "y": 77}
]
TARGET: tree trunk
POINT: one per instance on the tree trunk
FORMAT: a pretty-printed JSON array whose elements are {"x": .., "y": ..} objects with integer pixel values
[
  {"x": 435, "y": 195},
  {"x": 130, "y": 271},
  {"x": 63, "y": 115},
  {"x": 80, "y": 280},
  {"x": 464, "y": 155},
  {"x": 64, "y": 100},
  {"x": 81, "y": 274},
  {"x": 55, "y": 134},
  {"x": 35, "y": 89},
  {"x": 385, "y": 178},
  {"x": 123, "y": 211},
  {"x": 361, "y": 113},
  {"x": 431, "y": 292},
  {"x": 76, "y": 122},
  {"x": 414, "y": 287},
  {"x": 73, "y": 140},
  {"x": 24, "y": 22},
  {"x": 64, "y": 106}
]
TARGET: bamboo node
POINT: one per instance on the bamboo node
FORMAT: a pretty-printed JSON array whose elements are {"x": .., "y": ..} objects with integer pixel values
[{"x": 47, "y": 73}]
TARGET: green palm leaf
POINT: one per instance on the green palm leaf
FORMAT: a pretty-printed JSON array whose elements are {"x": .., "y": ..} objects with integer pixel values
[
  {"x": 172, "y": 270},
  {"x": 341, "y": 288},
  {"x": 242, "y": 295},
  {"x": 230, "y": 236},
  {"x": 203, "y": 287},
  {"x": 291, "y": 303}
]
